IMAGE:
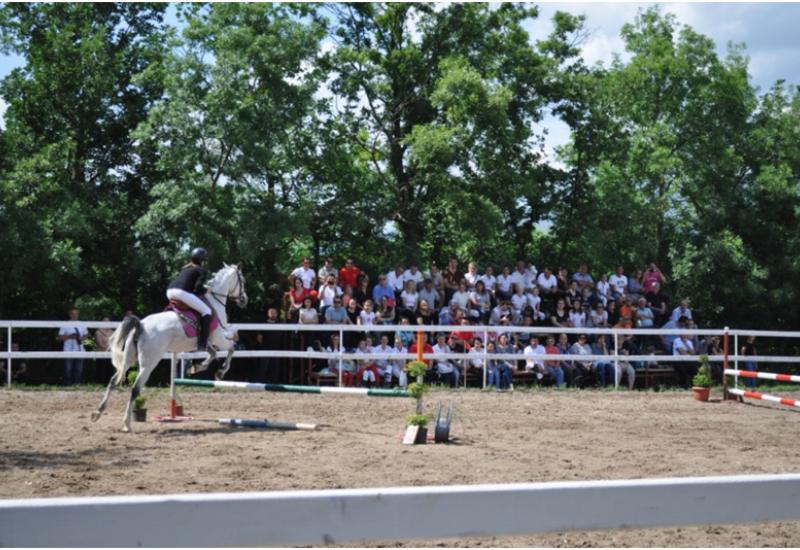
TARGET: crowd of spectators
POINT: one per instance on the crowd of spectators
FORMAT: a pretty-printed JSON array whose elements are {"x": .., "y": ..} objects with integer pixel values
[{"x": 520, "y": 296}]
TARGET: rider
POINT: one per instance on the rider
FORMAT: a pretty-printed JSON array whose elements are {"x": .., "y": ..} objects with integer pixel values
[{"x": 189, "y": 287}]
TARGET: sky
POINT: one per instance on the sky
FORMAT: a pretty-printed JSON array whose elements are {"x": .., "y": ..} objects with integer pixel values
[{"x": 769, "y": 31}]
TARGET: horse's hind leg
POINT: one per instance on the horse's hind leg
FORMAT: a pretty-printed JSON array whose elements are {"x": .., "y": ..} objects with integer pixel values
[
  {"x": 138, "y": 386},
  {"x": 102, "y": 407}
]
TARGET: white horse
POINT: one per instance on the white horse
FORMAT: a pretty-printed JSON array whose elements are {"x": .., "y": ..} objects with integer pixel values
[{"x": 147, "y": 341}]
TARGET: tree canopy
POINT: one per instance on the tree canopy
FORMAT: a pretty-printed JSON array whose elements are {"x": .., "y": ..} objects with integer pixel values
[{"x": 392, "y": 133}]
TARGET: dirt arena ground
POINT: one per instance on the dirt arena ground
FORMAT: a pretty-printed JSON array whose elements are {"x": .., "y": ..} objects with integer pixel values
[{"x": 48, "y": 447}]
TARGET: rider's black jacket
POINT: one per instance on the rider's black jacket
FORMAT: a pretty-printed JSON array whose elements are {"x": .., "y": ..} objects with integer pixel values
[{"x": 191, "y": 279}]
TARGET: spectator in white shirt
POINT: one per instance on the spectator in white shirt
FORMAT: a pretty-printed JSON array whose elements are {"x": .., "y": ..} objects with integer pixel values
[
  {"x": 577, "y": 316},
  {"x": 471, "y": 276},
  {"x": 489, "y": 279},
  {"x": 547, "y": 283},
  {"x": 414, "y": 274},
  {"x": 395, "y": 280},
  {"x": 73, "y": 338},
  {"x": 505, "y": 284},
  {"x": 618, "y": 282},
  {"x": 461, "y": 297},
  {"x": 535, "y": 365},
  {"x": 444, "y": 368},
  {"x": 305, "y": 273}
]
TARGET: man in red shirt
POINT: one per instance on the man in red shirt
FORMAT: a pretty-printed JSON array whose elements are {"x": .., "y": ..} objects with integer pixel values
[{"x": 348, "y": 275}]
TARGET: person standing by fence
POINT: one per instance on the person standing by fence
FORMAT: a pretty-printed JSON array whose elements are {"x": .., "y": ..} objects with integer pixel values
[
  {"x": 73, "y": 337},
  {"x": 749, "y": 349}
]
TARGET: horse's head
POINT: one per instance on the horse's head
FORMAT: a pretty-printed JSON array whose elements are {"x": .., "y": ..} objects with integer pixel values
[{"x": 229, "y": 282}]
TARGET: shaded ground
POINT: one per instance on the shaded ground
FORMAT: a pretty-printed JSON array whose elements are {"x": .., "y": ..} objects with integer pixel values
[{"x": 48, "y": 447}]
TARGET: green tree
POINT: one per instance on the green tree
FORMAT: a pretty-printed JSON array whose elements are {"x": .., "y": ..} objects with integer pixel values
[
  {"x": 73, "y": 181},
  {"x": 232, "y": 133},
  {"x": 443, "y": 103}
]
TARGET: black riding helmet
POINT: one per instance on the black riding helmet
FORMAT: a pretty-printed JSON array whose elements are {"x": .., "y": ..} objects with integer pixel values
[{"x": 199, "y": 255}]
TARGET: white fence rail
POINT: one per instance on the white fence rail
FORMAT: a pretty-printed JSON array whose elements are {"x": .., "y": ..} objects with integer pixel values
[
  {"x": 402, "y": 513},
  {"x": 614, "y": 355}
]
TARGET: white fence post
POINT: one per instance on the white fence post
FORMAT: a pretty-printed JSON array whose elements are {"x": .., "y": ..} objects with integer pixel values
[
  {"x": 9, "y": 355},
  {"x": 616, "y": 360}
]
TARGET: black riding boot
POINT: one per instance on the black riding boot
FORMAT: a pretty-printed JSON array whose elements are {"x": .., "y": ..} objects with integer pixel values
[{"x": 202, "y": 333}]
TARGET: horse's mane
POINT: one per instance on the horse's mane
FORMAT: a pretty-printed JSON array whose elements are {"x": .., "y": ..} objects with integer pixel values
[{"x": 216, "y": 277}]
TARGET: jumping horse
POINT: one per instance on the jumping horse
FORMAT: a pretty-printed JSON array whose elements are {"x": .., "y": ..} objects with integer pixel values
[{"x": 147, "y": 340}]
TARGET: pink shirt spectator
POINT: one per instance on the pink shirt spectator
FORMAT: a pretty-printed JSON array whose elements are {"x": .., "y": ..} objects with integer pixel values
[{"x": 651, "y": 278}]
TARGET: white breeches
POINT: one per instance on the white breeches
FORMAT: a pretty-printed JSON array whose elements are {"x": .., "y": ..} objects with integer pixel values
[{"x": 189, "y": 299}]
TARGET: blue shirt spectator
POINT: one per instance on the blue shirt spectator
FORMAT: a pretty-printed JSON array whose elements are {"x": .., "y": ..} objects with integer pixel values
[{"x": 383, "y": 290}]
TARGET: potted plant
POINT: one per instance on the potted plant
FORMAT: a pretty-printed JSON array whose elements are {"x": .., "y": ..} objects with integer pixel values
[
  {"x": 139, "y": 409},
  {"x": 420, "y": 421},
  {"x": 417, "y": 423},
  {"x": 702, "y": 381}
]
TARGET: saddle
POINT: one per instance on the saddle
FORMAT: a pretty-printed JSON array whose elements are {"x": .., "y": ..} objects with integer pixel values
[{"x": 190, "y": 318}]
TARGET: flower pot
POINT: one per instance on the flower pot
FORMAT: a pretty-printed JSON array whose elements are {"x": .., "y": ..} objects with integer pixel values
[
  {"x": 140, "y": 415},
  {"x": 422, "y": 436},
  {"x": 701, "y": 394}
]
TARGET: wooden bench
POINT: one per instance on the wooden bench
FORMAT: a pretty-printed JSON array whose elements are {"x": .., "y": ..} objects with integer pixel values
[{"x": 653, "y": 373}]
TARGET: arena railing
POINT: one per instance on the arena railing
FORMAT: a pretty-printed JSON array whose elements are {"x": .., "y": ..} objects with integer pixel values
[{"x": 615, "y": 355}]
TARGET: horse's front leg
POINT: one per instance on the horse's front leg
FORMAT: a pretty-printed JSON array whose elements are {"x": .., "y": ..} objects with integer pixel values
[{"x": 220, "y": 374}]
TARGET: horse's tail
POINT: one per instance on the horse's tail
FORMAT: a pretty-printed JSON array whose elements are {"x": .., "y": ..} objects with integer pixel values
[{"x": 123, "y": 344}]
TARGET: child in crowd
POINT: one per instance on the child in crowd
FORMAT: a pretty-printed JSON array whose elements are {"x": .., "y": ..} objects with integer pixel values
[{"x": 368, "y": 372}]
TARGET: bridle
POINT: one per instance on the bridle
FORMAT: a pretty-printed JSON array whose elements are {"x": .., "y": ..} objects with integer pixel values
[{"x": 240, "y": 295}]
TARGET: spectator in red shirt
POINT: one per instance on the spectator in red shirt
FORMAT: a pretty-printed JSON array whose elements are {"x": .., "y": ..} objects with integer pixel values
[{"x": 348, "y": 275}]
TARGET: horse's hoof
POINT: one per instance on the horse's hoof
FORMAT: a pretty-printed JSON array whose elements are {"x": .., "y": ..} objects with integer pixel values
[
  {"x": 95, "y": 416},
  {"x": 125, "y": 430}
]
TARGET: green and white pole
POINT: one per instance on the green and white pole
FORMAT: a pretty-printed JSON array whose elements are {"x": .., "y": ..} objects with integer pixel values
[{"x": 291, "y": 389}]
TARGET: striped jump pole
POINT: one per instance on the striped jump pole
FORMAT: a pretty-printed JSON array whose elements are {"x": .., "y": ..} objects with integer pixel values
[
  {"x": 292, "y": 389},
  {"x": 765, "y": 397},
  {"x": 266, "y": 424},
  {"x": 763, "y": 375}
]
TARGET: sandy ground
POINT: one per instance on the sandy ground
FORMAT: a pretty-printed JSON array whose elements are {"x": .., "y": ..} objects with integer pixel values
[{"x": 48, "y": 447}]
